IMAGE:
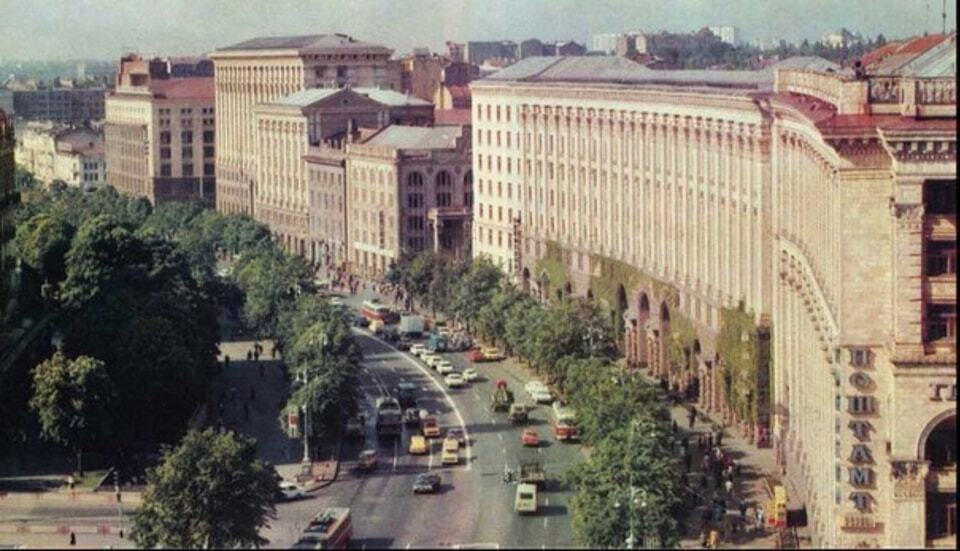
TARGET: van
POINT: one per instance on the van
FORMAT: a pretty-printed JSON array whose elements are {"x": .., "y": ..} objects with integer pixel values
[{"x": 526, "y": 500}]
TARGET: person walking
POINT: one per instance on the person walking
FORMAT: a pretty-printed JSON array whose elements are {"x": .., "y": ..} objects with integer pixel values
[
  {"x": 743, "y": 510},
  {"x": 226, "y": 361},
  {"x": 760, "y": 519},
  {"x": 73, "y": 539},
  {"x": 249, "y": 355},
  {"x": 728, "y": 486}
]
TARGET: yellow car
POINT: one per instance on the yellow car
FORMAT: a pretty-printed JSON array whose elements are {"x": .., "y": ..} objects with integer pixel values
[
  {"x": 418, "y": 445},
  {"x": 491, "y": 354},
  {"x": 451, "y": 452}
]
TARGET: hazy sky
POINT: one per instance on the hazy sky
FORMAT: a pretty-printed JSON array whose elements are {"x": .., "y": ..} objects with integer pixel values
[{"x": 72, "y": 29}]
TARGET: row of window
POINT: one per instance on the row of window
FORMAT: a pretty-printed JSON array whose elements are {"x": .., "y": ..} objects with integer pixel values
[
  {"x": 186, "y": 169},
  {"x": 187, "y": 137},
  {"x": 494, "y": 114},
  {"x": 187, "y": 152}
]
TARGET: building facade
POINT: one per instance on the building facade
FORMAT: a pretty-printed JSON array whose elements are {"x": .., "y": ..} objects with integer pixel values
[
  {"x": 409, "y": 189},
  {"x": 327, "y": 204},
  {"x": 160, "y": 134},
  {"x": 480, "y": 51},
  {"x": 781, "y": 250},
  {"x": 727, "y": 33},
  {"x": 73, "y": 155},
  {"x": 9, "y": 197},
  {"x": 265, "y": 69},
  {"x": 288, "y": 127},
  {"x": 62, "y": 105}
]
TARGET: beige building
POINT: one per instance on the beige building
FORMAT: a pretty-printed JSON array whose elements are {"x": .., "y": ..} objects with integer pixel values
[
  {"x": 262, "y": 70},
  {"x": 287, "y": 127},
  {"x": 73, "y": 155},
  {"x": 408, "y": 189},
  {"x": 327, "y": 204},
  {"x": 161, "y": 134},
  {"x": 781, "y": 245}
]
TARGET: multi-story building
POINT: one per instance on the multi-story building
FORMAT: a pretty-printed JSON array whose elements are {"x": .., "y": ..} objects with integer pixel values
[
  {"x": 727, "y": 33},
  {"x": 71, "y": 154},
  {"x": 570, "y": 48},
  {"x": 160, "y": 134},
  {"x": 408, "y": 189},
  {"x": 9, "y": 197},
  {"x": 422, "y": 75},
  {"x": 327, "y": 204},
  {"x": 287, "y": 127},
  {"x": 456, "y": 52},
  {"x": 606, "y": 42},
  {"x": 782, "y": 248},
  {"x": 265, "y": 69},
  {"x": 59, "y": 104},
  {"x": 480, "y": 51}
]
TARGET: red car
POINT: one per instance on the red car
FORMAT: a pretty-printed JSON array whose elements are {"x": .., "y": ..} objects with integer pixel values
[
  {"x": 476, "y": 355},
  {"x": 530, "y": 437}
]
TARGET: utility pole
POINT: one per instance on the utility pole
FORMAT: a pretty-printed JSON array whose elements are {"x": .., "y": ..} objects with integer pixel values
[{"x": 306, "y": 466}]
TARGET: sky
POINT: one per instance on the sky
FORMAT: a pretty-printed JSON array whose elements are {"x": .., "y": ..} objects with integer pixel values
[{"x": 105, "y": 29}]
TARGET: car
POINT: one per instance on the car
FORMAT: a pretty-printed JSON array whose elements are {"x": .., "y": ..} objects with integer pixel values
[
  {"x": 418, "y": 349},
  {"x": 534, "y": 386},
  {"x": 475, "y": 355},
  {"x": 360, "y": 321},
  {"x": 530, "y": 437},
  {"x": 443, "y": 331},
  {"x": 291, "y": 491},
  {"x": 426, "y": 483},
  {"x": 542, "y": 396},
  {"x": 457, "y": 434},
  {"x": 418, "y": 445},
  {"x": 336, "y": 302},
  {"x": 367, "y": 460},
  {"x": 429, "y": 426},
  {"x": 431, "y": 359},
  {"x": 526, "y": 500},
  {"x": 470, "y": 374},
  {"x": 450, "y": 454},
  {"x": 492, "y": 354},
  {"x": 444, "y": 367},
  {"x": 453, "y": 380},
  {"x": 517, "y": 413},
  {"x": 411, "y": 417}
]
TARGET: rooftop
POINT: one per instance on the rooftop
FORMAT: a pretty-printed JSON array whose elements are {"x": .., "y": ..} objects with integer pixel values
[
  {"x": 183, "y": 88},
  {"x": 391, "y": 97},
  {"x": 417, "y": 137},
  {"x": 310, "y": 96},
  {"x": 931, "y": 55},
  {"x": 304, "y": 42},
  {"x": 452, "y": 117}
]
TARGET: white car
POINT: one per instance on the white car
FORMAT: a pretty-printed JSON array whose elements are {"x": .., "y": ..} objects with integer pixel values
[
  {"x": 535, "y": 386},
  {"x": 541, "y": 396},
  {"x": 431, "y": 359},
  {"x": 418, "y": 349},
  {"x": 454, "y": 380},
  {"x": 470, "y": 374},
  {"x": 291, "y": 491},
  {"x": 444, "y": 367}
]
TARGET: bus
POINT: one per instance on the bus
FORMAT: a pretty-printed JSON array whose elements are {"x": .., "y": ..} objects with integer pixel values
[
  {"x": 374, "y": 310},
  {"x": 330, "y": 529}
]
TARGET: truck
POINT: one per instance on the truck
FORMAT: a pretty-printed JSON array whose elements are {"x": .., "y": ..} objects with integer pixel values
[
  {"x": 330, "y": 529},
  {"x": 411, "y": 326},
  {"x": 532, "y": 473},
  {"x": 502, "y": 397},
  {"x": 389, "y": 421},
  {"x": 437, "y": 343},
  {"x": 565, "y": 424}
]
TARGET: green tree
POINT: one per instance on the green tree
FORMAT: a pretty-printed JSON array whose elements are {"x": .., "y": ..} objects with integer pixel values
[
  {"x": 42, "y": 244},
  {"x": 331, "y": 395},
  {"x": 210, "y": 492},
  {"x": 71, "y": 399},
  {"x": 475, "y": 288}
]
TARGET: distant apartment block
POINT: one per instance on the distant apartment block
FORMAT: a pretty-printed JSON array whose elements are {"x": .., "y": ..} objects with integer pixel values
[
  {"x": 728, "y": 34},
  {"x": 263, "y": 70},
  {"x": 479, "y": 52},
  {"x": 161, "y": 133},
  {"x": 63, "y": 105},
  {"x": 605, "y": 42},
  {"x": 71, "y": 154}
]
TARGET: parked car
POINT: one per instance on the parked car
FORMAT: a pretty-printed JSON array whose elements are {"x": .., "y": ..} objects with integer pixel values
[
  {"x": 470, "y": 374},
  {"x": 530, "y": 437},
  {"x": 492, "y": 354},
  {"x": 443, "y": 367},
  {"x": 475, "y": 355},
  {"x": 454, "y": 380},
  {"x": 534, "y": 386},
  {"x": 291, "y": 491},
  {"x": 457, "y": 434},
  {"x": 426, "y": 483},
  {"x": 418, "y": 349},
  {"x": 542, "y": 396}
]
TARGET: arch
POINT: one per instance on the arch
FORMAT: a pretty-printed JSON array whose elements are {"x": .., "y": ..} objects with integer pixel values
[
  {"x": 938, "y": 441},
  {"x": 664, "y": 313},
  {"x": 643, "y": 308},
  {"x": 619, "y": 308},
  {"x": 414, "y": 179},
  {"x": 442, "y": 179}
]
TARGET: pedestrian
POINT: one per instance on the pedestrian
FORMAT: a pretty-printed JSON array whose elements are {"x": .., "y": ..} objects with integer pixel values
[
  {"x": 686, "y": 462},
  {"x": 719, "y": 437},
  {"x": 703, "y": 481},
  {"x": 71, "y": 482},
  {"x": 73, "y": 539},
  {"x": 709, "y": 441},
  {"x": 760, "y": 525},
  {"x": 673, "y": 426},
  {"x": 273, "y": 352},
  {"x": 226, "y": 361},
  {"x": 249, "y": 355},
  {"x": 693, "y": 416},
  {"x": 706, "y": 464},
  {"x": 703, "y": 537},
  {"x": 743, "y": 510},
  {"x": 256, "y": 355},
  {"x": 728, "y": 486}
]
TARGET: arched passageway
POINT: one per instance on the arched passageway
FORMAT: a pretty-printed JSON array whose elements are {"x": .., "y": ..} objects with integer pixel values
[{"x": 939, "y": 449}]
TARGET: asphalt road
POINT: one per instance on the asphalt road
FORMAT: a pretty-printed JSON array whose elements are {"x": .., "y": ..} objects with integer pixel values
[{"x": 474, "y": 506}]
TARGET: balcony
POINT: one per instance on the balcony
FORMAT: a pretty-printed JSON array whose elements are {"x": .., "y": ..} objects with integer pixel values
[{"x": 942, "y": 480}]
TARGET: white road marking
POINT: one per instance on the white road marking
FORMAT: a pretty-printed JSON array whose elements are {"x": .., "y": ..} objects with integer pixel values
[
  {"x": 545, "y": 519},
  {"x": 396, "y": 453},
  {"x": 430, "y": 459},
  {"x": 546, "y": 501}
]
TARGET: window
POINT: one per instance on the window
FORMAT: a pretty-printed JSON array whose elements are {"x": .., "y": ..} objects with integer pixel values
[
  {"x": 165, "y": 170},
  {"x": 940, "y": 258},
  {"x": 208, "y": 151},
  {"x": 468, "y": 199},
  {"x": 188, "y": 169},
  {"x": 940, "y": 322},
  {"x": 208, "y": 169},
  {"x": 443, "y": 199},
  {"x": 186, "y": 152},
  {"x": 443, "y": 179},
  {"x": 186, "y": 136},
  {"x": 165, "y": 137},
  {"x": 164, "y": 152},
  {"x": 415, "y": 223},
  {"x": 186, "y": 111},
  {"x": 208, "y": 136},
  {"x": 859, "y": 357},
  {"x": 415, "y": 200},
  {"x": 414, "y": 179}
]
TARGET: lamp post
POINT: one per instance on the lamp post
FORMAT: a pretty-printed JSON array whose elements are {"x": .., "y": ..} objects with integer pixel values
[{"x": 306, "y": 465}]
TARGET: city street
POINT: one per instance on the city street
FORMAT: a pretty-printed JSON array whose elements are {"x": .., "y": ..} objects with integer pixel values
[{"x": 474, "y": 505}]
